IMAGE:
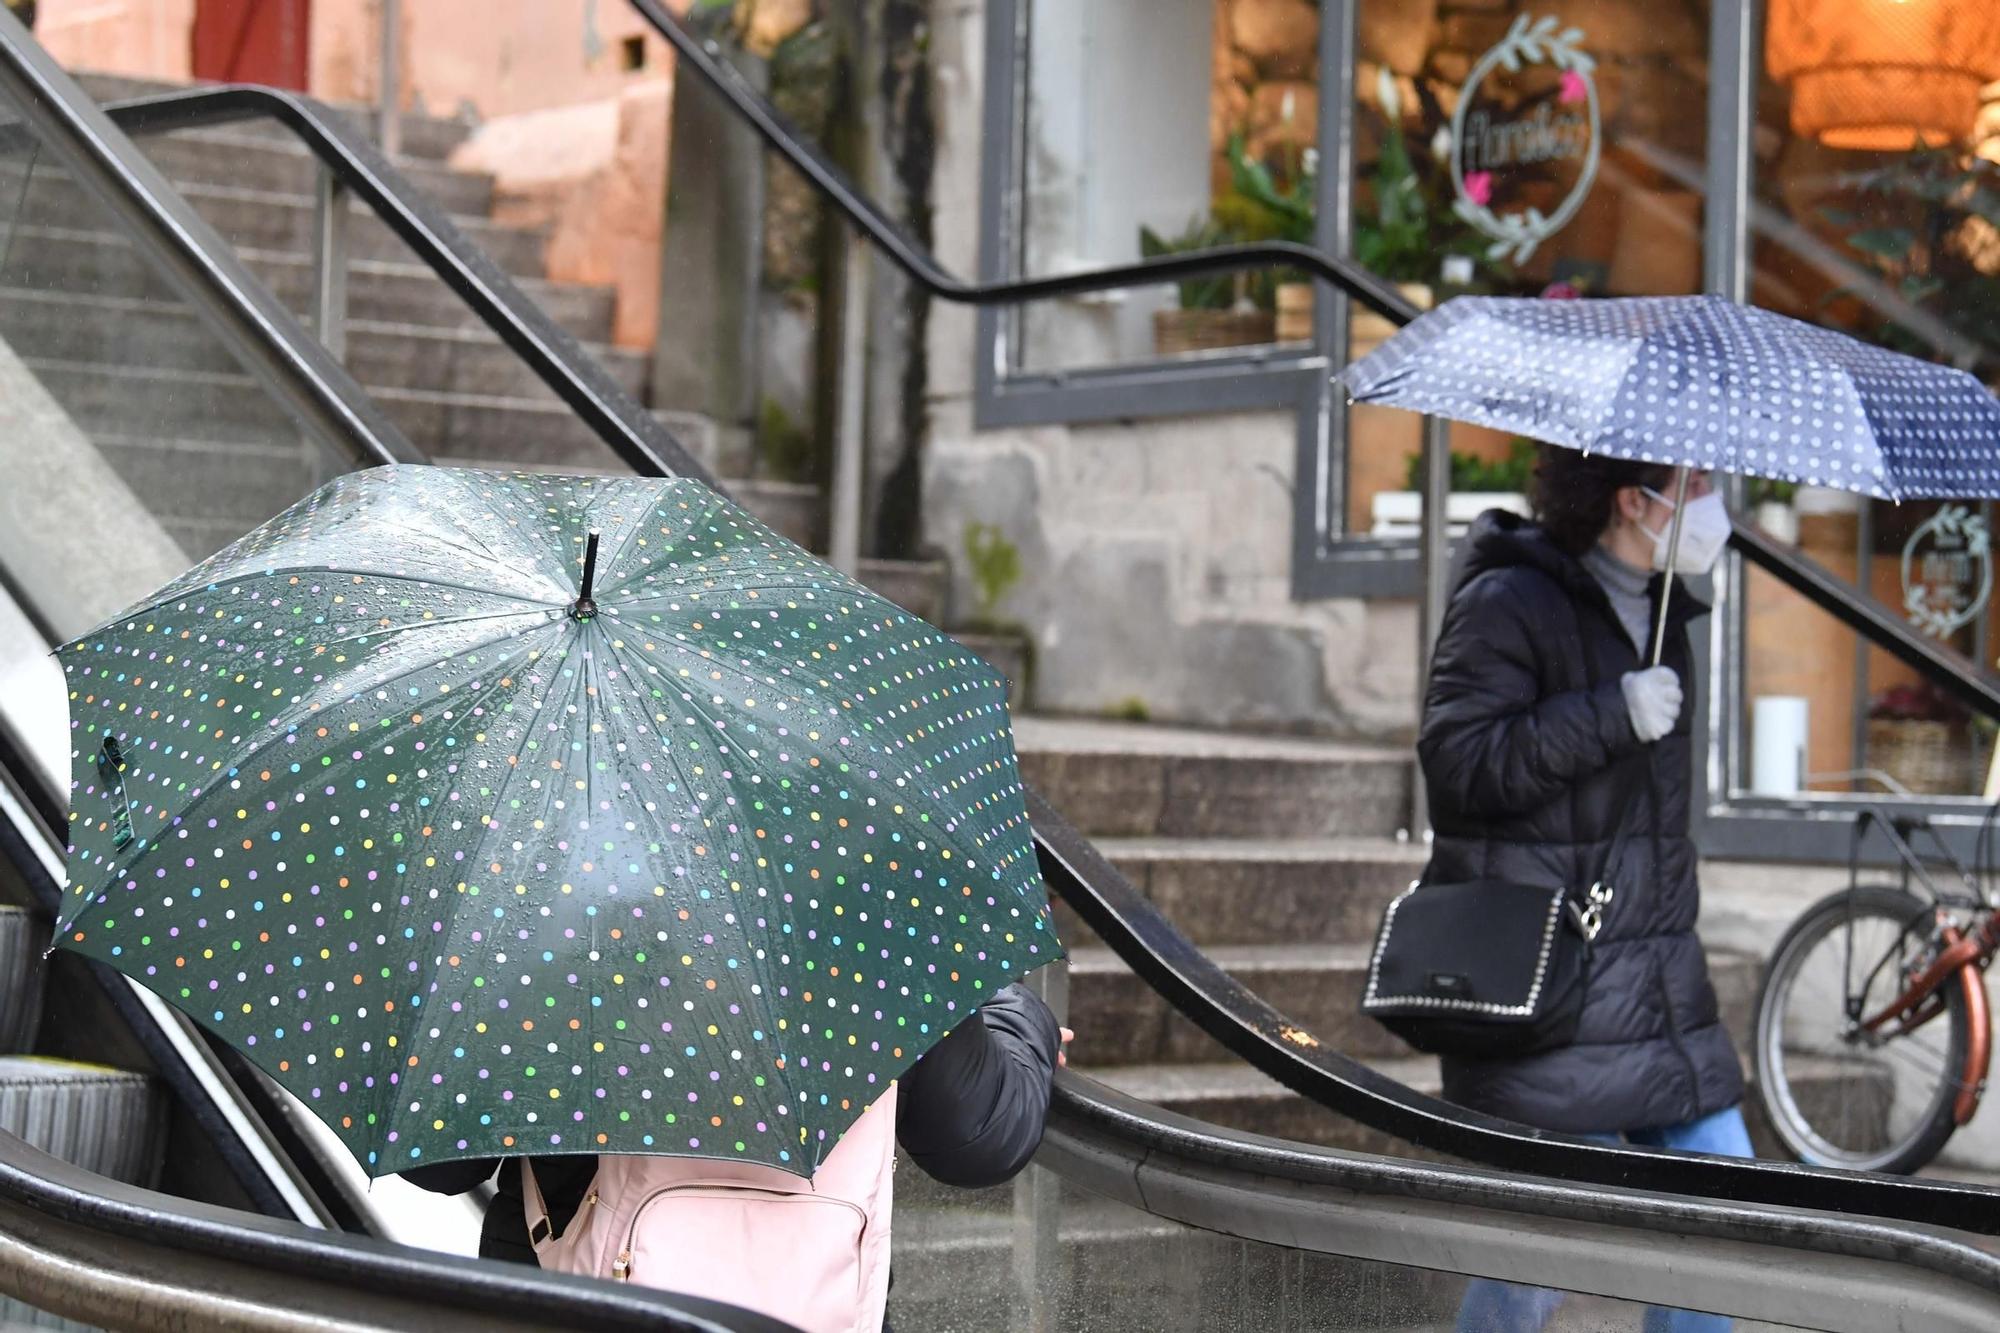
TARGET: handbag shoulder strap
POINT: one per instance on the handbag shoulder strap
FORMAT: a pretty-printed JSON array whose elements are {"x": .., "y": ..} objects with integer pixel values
[{"x": 1591, "y": 899}]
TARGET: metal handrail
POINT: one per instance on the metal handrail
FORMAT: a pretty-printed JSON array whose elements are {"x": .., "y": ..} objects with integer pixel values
[
  {"x": 1817, "y": 1269},
  {"x": 548, "y": 349},
  {"x": 80, "y": 1245},
  {"x": 251, "y": 322},
  {"x": 1147, "y": 942}
]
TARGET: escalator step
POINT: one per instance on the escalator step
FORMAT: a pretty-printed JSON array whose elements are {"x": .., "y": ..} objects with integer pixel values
[
  {"x": 104, "y": 1120},
  {"x": 22, "y": 935}
]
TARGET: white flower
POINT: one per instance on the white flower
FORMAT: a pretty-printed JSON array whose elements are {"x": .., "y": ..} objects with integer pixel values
[
  {"x": 1441, "y": 144},
  {"x": 1386, "y": 95},
  {"x": 1309, "y": 161},
  {"x": 1287, "y": 107}
]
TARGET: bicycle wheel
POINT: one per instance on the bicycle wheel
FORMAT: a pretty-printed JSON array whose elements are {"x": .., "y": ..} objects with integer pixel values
[{"x": 1839, "y": 1095}]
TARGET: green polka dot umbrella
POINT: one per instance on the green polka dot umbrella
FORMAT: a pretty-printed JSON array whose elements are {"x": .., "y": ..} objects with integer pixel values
[{"x": 497, "y": 814}]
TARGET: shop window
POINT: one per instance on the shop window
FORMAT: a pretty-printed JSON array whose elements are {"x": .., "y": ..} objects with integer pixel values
[
  {"x": 1876, "y": 210},
  {"x": 1154, "y": 126},
  {"x": 1518, "y": 148}
]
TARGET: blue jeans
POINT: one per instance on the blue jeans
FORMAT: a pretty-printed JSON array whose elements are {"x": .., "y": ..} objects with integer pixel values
[{"x": 1502, "y": 1307}]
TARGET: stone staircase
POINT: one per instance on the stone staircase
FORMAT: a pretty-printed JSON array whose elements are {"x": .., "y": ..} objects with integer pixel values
[
  {"x": 1276, "y": 858},
  {"x": 134, "y": 366}
]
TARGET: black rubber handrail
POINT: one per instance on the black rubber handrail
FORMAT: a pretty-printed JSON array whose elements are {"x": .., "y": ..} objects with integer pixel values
[
  {"x": 1158, "y": 1141},
  {"x": 272, "y": 1247},
  {"x": 1253, "y": 1029},
  {"x": 1132, "y": 927}
]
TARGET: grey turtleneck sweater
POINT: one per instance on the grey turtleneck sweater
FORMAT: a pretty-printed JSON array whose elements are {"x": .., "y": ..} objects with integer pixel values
[{"x": 1627, "y": 589}]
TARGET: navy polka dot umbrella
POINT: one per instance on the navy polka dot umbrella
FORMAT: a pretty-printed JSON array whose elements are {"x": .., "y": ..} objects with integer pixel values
[
  {"x": 1696, "y": 382},
  {"x": 482, "y": 840}
]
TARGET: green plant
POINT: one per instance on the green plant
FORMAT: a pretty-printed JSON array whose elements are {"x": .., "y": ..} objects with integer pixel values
[
  {"x": 1506, "y": 476},
  {"x": 1927, "y": 226},
  {"x": 1130, "y": 709},
  {"x": 784, "y": 447},
  {"x": 1210, "y": 291},
  {"x": 1404, "y": 221},
  {"x": 1764, "y": 490},
  {"x": 994, "y": 564}
]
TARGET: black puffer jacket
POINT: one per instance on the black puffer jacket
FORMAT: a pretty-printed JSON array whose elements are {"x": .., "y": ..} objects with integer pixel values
[
  {"x": 970, "y": 1113},
  {"x": 1530, "y": 757}
]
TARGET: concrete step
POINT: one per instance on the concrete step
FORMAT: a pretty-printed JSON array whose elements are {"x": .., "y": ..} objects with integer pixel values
[
  {"x": 88, "y": 259},
  {"x": 1120, "y": 1020},
  {"x": 242, "y": 157},
  {"x": 1263, "y": 891},
  {"x": 239, "y": 485},
  {"x": 1119, "y": 1268},
  {"x": 122, "y": 331},
  {"x": 424, "y": 138},
  {"x": 252, "y": 219},
  {"x": 1134, "y": 780},
  {"x": 134, "y": 401},
  {"x": 1238, "y": 1097}
]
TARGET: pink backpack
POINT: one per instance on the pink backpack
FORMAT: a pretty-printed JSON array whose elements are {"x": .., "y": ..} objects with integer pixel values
[{"x": 814, "y": 1253}]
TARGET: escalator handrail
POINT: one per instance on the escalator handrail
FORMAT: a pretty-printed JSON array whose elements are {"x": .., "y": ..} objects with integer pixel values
[
  {"x": 292, "y": 365},
  {"x": 51, "y": 1188},
  {"x": 547, "y": 348},
  {"x": 1142, "y": 936},
  {"x": 1096, "y": 1135},
  {"x": 1251, "y": 1028}
]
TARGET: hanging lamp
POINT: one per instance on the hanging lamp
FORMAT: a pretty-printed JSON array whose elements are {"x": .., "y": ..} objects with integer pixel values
[{"x": 1884, "y": 75}]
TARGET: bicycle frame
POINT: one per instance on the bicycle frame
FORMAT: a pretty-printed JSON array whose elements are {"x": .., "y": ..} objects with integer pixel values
[{"x": 1963, "y": 956}]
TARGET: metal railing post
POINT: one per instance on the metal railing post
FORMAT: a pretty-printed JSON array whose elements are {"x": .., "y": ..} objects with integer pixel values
[
  {"x": 331, "y": 212},
  {"x": 849, "y": 443},
  {"x": 1434, "y": 560},
  {"x": 389, "y": 115}
]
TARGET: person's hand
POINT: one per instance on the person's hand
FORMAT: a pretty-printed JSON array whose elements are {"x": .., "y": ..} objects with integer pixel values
[
  {"x": 1653, "y": 698},
  {"x": 1062, "y": 1048}
]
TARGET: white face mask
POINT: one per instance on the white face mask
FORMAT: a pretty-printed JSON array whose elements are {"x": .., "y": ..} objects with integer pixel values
[{"x": 1705, "y": 529}]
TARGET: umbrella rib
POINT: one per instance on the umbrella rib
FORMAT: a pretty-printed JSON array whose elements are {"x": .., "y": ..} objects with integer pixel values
[
  {"x": 406, "y": 1030},
  {"x": 278, "y": 728}
]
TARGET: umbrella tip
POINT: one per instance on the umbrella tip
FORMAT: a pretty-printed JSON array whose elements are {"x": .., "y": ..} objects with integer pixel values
[{"x": 584, "y": 608}]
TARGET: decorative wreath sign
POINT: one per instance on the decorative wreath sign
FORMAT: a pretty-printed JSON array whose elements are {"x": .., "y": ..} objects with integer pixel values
[
  {"x": 1947, "y": 571},
  {"x": 1483, "y": 146}
]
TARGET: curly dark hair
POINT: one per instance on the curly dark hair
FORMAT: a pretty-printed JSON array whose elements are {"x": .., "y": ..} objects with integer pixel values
[{"x": 1575, "y": 494}]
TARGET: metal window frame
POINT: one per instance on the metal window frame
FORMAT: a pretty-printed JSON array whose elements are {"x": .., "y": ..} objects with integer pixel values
[{"x": 1326, "y": 562}]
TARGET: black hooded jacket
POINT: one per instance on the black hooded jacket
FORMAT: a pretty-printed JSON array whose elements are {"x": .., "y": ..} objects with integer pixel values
[
  {"x": 970, "y": 1113},
  {"x": 1529, "y": 755}
]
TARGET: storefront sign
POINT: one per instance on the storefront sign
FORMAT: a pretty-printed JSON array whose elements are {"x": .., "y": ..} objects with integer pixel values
[
  {"x": 1527, "y": 115},
  {"x": 1947, "y": 572}
]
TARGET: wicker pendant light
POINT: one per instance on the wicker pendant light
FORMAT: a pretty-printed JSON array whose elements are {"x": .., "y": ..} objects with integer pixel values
[{"x": 1885, "y": 75}]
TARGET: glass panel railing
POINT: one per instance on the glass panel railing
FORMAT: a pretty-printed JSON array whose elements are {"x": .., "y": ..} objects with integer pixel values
[{"x": 125, "y": 398}]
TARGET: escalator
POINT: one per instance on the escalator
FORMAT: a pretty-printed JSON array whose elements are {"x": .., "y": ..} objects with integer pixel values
[{"x": 213, "y": 1186}]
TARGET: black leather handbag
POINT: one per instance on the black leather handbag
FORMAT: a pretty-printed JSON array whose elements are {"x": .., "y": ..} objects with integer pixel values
[{"x": 1489, "y": 968}]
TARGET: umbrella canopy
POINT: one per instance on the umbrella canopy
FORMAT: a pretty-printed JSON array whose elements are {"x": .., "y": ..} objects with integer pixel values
[
  {"x": 474, "y": 860},
  {"x": 1698, "y": 382}
]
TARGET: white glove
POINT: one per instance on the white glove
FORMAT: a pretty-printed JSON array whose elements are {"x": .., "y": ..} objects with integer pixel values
[{"x": 1653, "y": 698}]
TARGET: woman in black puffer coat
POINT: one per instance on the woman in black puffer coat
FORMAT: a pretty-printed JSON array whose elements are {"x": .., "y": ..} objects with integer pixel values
[{"x": 1542, "y": 726}]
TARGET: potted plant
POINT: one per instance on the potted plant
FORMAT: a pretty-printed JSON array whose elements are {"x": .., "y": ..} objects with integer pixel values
[
  {"x": 1213, "y": 310},
  {"x": 1266, "y": 205},
  {"x": 1477, "y": 485},
  {"x": 1774, "y": 503},
  {"x": 1914, "y": 736}
]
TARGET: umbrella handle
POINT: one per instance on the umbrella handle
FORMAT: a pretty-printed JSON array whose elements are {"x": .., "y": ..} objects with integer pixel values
[
  {"x": 585, "y": 608},
  {"x": 1673, "y": 557}
]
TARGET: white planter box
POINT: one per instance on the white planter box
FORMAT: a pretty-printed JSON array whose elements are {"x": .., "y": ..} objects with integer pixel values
[{"x": 1400, "y": 513}]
